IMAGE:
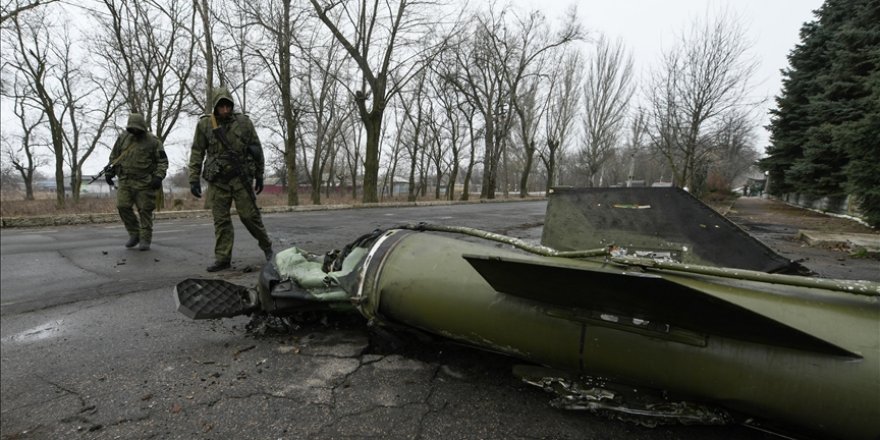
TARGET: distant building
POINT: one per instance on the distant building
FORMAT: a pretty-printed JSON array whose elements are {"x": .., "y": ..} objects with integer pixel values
[
  {"x": 399, "y": 187},
  {"x": 273, "y": 185},
  {"x": 98, "y": 188}
]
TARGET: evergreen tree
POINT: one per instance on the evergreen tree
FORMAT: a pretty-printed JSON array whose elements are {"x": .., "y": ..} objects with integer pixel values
[
  {"x": 791, "y": 119},
  {"x": 825, "y": 136},
  {"x": 858, "y": 73}
]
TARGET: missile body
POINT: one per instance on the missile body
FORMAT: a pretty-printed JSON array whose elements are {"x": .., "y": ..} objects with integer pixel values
[{"x": 804, "y": 355}]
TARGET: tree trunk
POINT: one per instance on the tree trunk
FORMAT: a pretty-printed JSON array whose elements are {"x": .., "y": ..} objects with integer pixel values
[
  {"x": 489, "y": 163},
  {"x": 411, "y": 191},
  {"x": 527, "y": 169},
  {"x": 551, "y": 165},
  {"x": 209, "y": 58},
  {"x": 373, "y": 127},
  {"x": 315, "y": 182},
  {"x": 290, "y": 165},
  {"x": 466, "y": 188},
  {"x": 453, "y": 176},
  {"x": 58, "y": 147},
  {"x": 290, "y": 119}
]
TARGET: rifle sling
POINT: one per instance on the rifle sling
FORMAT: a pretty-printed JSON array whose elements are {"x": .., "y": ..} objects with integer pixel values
[{"x": 113, "y": 163}]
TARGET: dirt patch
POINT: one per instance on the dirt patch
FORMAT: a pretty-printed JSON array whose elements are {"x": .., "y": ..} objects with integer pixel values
[
  {"x": 773, "y": 213},
  {"x": 778, "y": 225}
]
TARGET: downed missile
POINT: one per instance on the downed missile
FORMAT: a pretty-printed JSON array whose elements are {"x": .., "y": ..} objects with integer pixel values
[{"x": 713, "y": 345}]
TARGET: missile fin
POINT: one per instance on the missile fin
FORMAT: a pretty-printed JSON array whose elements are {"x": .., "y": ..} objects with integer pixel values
[{"x": 648, "y": 297}]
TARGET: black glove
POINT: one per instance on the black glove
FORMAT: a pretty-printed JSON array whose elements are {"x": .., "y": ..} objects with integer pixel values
[
  {"x": 109, "y": 179},
  {"x": 258, "y": 187},
  {"x": 196, "y": 189},
  {"x": 156, "y": 183}
]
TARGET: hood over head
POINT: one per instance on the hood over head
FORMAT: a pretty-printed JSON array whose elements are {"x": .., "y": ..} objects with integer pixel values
[
  {"x": 136, "y": 122},
  {"x": 219, "y": 94}
]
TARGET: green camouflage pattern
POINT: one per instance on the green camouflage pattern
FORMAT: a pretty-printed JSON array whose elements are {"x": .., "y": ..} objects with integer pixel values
[
  {"x": 144, "y": 198},
  {"x": 136, "y": 160},
  {"x": 210, "y": 159},
  {"x": 220, "y": 198}
]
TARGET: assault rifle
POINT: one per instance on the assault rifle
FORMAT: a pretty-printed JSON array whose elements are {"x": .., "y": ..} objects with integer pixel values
[{"x": 107, "y": 169}]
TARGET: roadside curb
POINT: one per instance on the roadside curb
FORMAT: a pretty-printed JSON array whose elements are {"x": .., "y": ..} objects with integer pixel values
[
  {"x": 851, "y": 241},
  {"x": 107, "y": 217}
]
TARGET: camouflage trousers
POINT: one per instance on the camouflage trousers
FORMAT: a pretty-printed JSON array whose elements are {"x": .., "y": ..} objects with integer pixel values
[
  {"x": 220, "y": 197},
  {"x": 142, "y": 197}
]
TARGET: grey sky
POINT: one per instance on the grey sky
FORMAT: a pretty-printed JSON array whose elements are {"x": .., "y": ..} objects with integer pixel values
[{"x": 647, "y": 27}]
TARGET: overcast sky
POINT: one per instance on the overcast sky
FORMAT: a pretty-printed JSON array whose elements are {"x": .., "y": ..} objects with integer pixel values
[{"x": 647, "y": 27}]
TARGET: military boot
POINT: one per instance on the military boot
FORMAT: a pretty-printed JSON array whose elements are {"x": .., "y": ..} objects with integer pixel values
[
  {"x": 144, "y": 246},
  {"x": 268, "y": 252},
  {"x": 132, "y": 241},
  {"x": 218, "y": 265}
]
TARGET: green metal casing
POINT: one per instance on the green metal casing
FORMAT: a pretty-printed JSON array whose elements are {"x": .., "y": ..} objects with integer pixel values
[{"x": 803, "y": 356}]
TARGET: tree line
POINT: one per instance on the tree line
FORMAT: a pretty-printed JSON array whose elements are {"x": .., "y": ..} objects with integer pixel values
[
  {"x": 355, "y": 94},
  {"x": 825, "y": 130}
]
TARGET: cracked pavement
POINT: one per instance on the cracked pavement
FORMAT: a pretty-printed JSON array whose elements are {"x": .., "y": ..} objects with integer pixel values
[{"x": 95, "y": 350}]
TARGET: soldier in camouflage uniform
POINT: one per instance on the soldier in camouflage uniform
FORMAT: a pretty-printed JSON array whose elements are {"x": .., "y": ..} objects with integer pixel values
[
  {"x": 228, "y": 145},
  {"x": 138, "y": 159}
]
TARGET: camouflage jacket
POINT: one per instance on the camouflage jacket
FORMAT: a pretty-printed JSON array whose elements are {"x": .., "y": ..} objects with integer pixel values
[
  {"x": 138, "y": 158},
  {"x": 211, "y": 159}
]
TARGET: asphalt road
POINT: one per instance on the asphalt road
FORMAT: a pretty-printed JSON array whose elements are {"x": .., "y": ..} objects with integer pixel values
[{"x": 92, "y": 347}]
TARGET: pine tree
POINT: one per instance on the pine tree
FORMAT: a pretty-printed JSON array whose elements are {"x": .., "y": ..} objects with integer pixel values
[
  {"x": 859, "y": 70},
  {"x": 791, "y": 118},
  {"x": 825, "y": 136}
]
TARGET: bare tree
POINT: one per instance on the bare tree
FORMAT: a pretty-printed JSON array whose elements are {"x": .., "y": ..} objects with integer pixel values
[
  {"x": 733, "y": 146},
  {"x": 277, "y": 20},
  {"x": 148, "y": 48},
  {"x": 635, "y": 152},
  {"x": 237, "y": 51},
  {"x": 702, "y": 78},
  {"x": 30, "y": 42},
  {"x": 563, "y": 100},
  {"x": 352, "y": 141},
  {"x": 89, "y": 105},
  {"x": 530, "y": 108},
  {"x": 405, "y": 41},
  {"x": 416, "y": 106},
  {"x": 450, "y": 125},
  {"x": 9, "y": 178},
  {"x": 12, "y": 8},
  {"x": 21, "y": 151},
  {"x": 204, "y": 13},
  {"x": 529, "y": 47},
  {"x": 474, "y": 70},
  {"x": 393, "y": 160},
  {"x": 438, "y": 145},
  {"x": 489, "y": 65},
  {"x": 328, "y": 112},
  {"x": 469, "y": 111},
  {"x": 607, "y": 91}
]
